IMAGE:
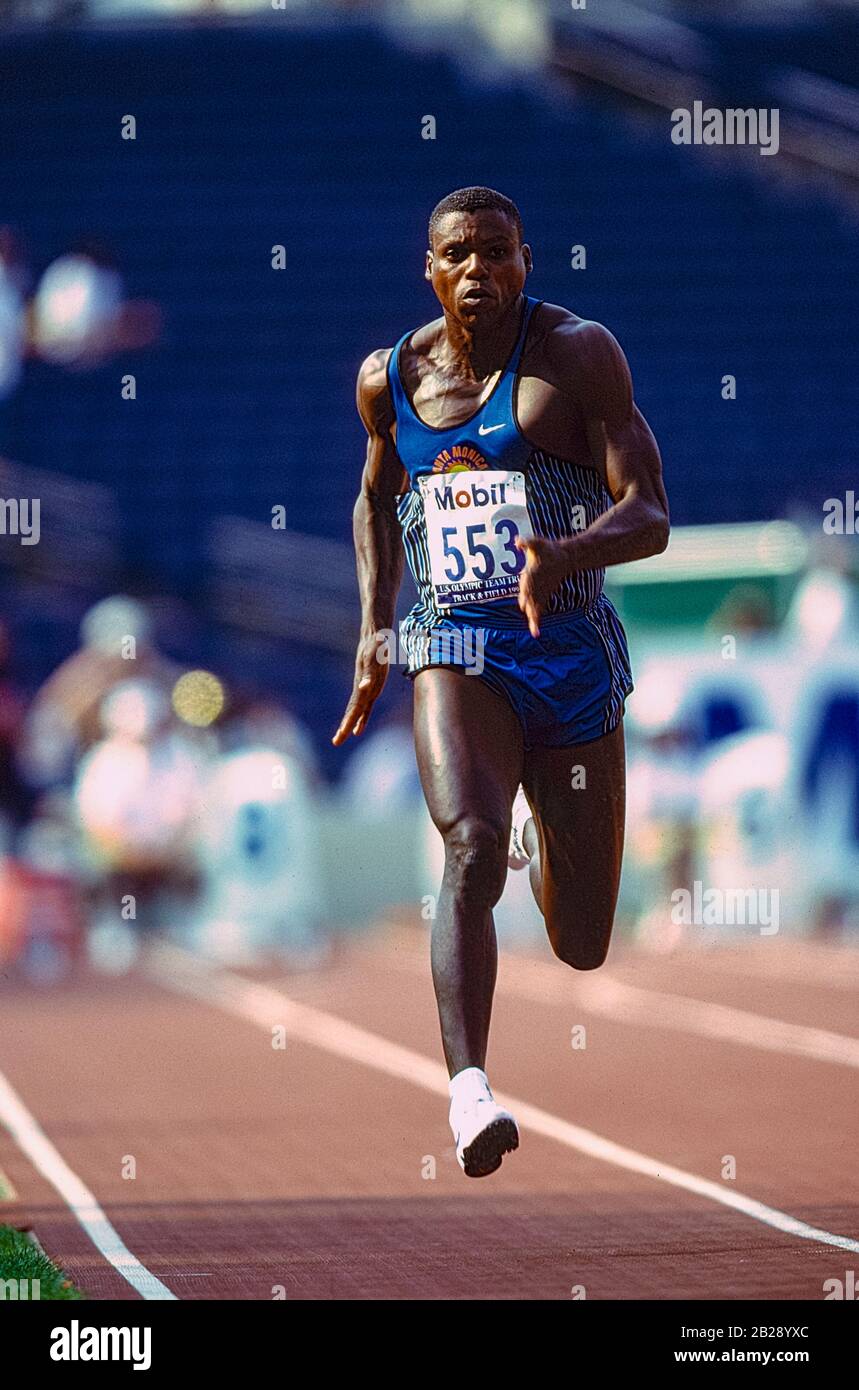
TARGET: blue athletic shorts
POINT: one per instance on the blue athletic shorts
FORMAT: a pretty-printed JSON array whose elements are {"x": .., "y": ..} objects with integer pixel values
[{"x": 567, "y": 686}]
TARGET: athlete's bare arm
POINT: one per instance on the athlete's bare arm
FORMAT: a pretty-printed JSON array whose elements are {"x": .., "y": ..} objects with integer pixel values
[
  {"x": 378, "y": 540},
  {"x": 589, "y": 362}
]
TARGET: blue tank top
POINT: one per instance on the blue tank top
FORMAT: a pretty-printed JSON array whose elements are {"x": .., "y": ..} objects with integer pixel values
[{"x": 561, "y": 498}]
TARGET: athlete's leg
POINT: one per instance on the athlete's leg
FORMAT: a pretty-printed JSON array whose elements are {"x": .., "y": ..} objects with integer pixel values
[
  {"x": 469, "y": 749},
  {"x": 578, "y": 795},
  {"x": 531, "y": 841}
]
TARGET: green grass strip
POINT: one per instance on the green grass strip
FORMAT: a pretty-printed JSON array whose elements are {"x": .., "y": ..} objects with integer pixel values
[{"x": 34, "y": 1275}]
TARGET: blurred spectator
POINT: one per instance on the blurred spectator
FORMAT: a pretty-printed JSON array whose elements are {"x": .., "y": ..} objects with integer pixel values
[
  {"x": 382, "y": 775},
  {"x": 80, "y": 315},
  {"x": 256, "y": 721},
  {"x": 825, "y": 605},
  {"x": 136, "y": 801},
  {"x": 64, "y": 719},
  {"x": 662, "y": 808},
  {"x": 257, "y": 841},
  {"x": 136, "y": 790}
]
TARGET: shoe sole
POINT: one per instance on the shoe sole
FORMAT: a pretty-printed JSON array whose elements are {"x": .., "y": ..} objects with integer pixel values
[{"x": 485, "y": 1152}]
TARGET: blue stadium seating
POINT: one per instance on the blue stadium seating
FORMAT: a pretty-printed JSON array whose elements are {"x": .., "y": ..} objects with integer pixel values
[{"x": 248, "y": 137}]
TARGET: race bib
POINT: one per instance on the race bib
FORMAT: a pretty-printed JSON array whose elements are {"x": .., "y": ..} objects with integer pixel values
[{"x": 472, "y": 521}]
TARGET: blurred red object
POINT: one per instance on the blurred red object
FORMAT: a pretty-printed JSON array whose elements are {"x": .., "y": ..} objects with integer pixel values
[{"x": 42, "y": 926}]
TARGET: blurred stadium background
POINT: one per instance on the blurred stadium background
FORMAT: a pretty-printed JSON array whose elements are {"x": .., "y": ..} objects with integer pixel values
[{"x": 184, "y": 412}]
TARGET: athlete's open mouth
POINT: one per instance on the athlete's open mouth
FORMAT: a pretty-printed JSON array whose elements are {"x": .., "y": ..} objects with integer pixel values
[{"x": 475, "y": 296}]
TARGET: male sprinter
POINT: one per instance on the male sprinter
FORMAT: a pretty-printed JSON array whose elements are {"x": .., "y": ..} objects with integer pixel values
[{"x": 506, "y": 452}]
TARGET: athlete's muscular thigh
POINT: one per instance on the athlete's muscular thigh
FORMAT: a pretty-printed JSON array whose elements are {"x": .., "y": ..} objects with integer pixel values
[
  {"x": 469, "y": 750},
  {"x": 578, "y": 795}
]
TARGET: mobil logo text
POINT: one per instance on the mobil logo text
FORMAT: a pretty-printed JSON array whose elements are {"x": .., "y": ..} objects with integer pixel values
[{"x": 452, "y": 497}]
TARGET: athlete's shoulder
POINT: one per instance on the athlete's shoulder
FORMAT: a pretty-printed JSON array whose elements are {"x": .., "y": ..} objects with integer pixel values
[
  {"x": 566, "y": 336},
  {"x": 372, "y": 392},
  {"x": 578, "y": 356},
  {"x": 373, "y": 371}
]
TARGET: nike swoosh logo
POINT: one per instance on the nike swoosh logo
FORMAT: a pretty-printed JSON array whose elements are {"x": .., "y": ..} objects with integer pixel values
[{"x": 487, "y": 429}]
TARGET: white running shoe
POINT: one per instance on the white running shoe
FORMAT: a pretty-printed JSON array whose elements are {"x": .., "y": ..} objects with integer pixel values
[
  {"x": 484, "y": 1133},
  {"x": 517, "y": 855}
]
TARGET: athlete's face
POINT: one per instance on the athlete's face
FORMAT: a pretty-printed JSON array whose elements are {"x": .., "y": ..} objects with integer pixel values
[{"x": 477, "y": 266}]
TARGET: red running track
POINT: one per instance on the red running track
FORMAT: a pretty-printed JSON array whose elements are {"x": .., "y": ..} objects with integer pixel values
[{"x": 311, "y": 1169}]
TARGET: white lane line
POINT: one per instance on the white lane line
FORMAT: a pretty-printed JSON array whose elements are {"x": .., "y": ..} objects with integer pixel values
[
  {"x": 603, "y": 995},
  {"x": 649, "y": 1007},
  {"x": 176, "y": 969},
  {"x": 33, "y": 1142},
  {"x": 7, "y": 1191}
]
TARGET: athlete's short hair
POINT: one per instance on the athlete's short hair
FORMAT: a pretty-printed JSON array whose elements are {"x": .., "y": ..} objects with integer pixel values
[{"x": 469, "y": 200}]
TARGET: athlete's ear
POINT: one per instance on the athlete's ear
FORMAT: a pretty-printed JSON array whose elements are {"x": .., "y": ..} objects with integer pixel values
[
  {"x": 428, "y": 271},
  {"x": 527, "y": 258}
]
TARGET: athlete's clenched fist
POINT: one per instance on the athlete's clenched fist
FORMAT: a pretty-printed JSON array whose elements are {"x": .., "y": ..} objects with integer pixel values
[{"x": 545, "y": 567}]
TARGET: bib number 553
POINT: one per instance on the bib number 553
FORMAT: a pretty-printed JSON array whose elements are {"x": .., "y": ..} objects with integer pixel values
[{"x": 505, "y": 529}]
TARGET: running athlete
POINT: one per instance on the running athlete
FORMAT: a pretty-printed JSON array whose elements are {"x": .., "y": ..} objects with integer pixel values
[{"x": 507, "y": 457}]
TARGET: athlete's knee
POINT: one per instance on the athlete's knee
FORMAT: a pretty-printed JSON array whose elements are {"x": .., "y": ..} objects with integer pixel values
[
  {"x": 580, "y": 957},
  {"x": 582, "y": 946},
  {"x": 475, "y": 858}
]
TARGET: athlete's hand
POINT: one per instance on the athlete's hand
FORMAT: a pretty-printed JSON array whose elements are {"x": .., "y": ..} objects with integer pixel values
[
  {"x": 370, "y": 676},
  {"x": 545, "y": 567}
]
